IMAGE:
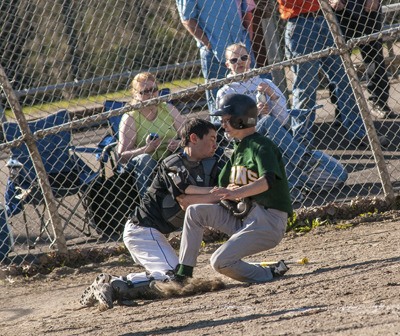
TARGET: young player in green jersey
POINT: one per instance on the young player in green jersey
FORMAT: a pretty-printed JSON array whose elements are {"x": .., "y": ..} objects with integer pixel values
[{"x": 255, "y": 173}]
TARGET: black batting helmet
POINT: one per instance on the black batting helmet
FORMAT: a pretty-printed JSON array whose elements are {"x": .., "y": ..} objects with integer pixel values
[{"x": 242, "y": 109}]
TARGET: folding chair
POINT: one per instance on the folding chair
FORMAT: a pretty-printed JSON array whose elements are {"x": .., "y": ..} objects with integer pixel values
[
  {"x": 68, "y": 175},
  {"x": 111, "y": 199}
]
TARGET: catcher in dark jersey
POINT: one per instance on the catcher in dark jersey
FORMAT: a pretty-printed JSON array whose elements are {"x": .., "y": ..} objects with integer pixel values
[
  {"x": 186, "y": 177},
  {"x": 255, "y": 173}
]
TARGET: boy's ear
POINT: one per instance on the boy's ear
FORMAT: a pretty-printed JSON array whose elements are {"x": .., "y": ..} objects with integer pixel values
[{"x": 193, "y": 138}]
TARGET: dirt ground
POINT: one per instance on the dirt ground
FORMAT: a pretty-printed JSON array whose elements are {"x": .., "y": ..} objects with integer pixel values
[{"x": 351, "y": 286}]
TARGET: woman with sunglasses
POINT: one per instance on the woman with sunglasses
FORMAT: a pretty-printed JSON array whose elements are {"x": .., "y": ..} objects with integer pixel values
[
  {"x": 305, "y": 169},
  {"x": 147, "y": 135}
]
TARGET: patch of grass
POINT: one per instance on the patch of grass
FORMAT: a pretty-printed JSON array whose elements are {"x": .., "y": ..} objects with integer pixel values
[
  {"x": 343, "y": 226},
  {"x": 175, "y": 85}
]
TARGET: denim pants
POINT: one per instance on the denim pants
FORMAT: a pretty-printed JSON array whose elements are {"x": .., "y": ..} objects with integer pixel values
[
  {"x": 307, "y": 35},
  {"x": 142, "y": 169},
  {"x": 5, "y": 234},
  {"x": 212, "y": 69}
]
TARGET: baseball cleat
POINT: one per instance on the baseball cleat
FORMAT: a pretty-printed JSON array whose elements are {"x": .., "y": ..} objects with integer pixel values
[
  {"x": 279, "y": 269},
  {"x": 104, "y": 295},
  {"x": 88, "y": 298}
]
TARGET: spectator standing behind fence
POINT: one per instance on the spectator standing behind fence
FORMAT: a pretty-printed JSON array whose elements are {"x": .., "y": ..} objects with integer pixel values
[
  {"x": 358, "y": 18},
  {"x": 216, "y": 24},
  {"x": 183, "y": 177},
  {"x": 148, "y": 134},
  {"x": 307, "y": 31}
]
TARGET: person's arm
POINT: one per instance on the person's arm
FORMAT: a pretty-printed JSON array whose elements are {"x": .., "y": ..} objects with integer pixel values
[
  {"x": 371, "y": 5},
  {"x": 278, "y": 103},
  {"x": 173, "y": 144},
  {"x": 196, "y": 190},
  {"x": 193, "y": 28},
  {"x": 185, "y": 200},
  {"x": 337, "y": 5},
  {"x": 268, "y": 90},
  {"x": 248, "y": 23},
  {"x": 238, "y": 192},
  {"x": 178, "y": 118},
  {"x": 126, "y": 147}
]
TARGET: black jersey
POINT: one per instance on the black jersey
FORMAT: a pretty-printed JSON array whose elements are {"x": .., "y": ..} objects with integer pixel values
[{"x": 158, "y": 208}]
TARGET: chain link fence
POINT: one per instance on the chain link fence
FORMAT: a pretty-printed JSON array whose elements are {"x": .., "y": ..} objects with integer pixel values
[{"x": 66, "y": 70}]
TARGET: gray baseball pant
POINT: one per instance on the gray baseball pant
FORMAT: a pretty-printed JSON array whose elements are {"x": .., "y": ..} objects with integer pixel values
[{"x": 261, "y": 230}]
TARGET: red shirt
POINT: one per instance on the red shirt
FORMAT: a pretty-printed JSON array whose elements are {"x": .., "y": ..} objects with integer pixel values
[{"x": 292, "y": 8}]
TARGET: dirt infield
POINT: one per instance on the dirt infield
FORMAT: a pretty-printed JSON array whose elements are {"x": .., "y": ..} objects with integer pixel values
[{"x": 350, "y": 287}]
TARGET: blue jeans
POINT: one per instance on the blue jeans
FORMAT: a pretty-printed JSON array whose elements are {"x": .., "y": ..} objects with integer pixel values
[
  {"x": 5, "y": 235},
  {"x": 307, "y": 35},
  {"x": 142, "y": 169}
]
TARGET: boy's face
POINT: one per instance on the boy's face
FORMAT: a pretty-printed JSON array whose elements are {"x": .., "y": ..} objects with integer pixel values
[
  {"x": 229, "y": 130},
  {"x": 237, "y": 60},
  {"x": 206, "y": 147}
]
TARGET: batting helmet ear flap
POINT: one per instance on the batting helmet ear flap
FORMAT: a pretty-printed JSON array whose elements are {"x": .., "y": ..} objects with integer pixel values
[{"x": 237, "y": 123}]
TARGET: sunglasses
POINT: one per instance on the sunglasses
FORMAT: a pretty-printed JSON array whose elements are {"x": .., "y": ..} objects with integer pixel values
[
  {"x": 150, "y": 90},
  {"x": 243, "y": 58}
]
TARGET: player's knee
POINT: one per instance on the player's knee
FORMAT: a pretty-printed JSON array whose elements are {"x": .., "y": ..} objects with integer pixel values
[
  {"x": 195, "y": 213},
  {"x": 218, "y": 263}
]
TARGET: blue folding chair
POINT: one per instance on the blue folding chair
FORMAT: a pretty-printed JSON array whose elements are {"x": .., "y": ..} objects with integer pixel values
[
  {"x": 67, "y": 174},
  {"x": 109, "y": 142},
  {"x": 112, "y": 199}
]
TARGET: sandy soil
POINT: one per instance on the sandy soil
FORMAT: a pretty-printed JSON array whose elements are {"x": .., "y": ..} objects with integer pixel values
[{"x": 350, "y": 287}]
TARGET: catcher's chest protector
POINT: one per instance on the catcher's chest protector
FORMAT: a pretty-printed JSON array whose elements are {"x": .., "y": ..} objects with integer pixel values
[{"x": 203, "y": 175}]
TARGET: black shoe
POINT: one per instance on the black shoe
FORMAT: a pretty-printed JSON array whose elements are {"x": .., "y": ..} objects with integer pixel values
[
  {"x": 383, "y": 111},
  {"x": 279, "y": 269}
]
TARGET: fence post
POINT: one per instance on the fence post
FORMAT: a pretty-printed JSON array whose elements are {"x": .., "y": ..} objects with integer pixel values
[
  {"x": 360, "y": 99},
  {"x": 37, "y": 162}
]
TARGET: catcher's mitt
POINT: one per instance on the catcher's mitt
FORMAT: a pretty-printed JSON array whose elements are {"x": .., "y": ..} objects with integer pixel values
[{"x": 238, "y": 209}]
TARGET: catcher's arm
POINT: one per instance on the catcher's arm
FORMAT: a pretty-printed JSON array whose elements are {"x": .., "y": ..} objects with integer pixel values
[
  {"x": 234, "y": 193},
  {"x": 196, "y": 190},
  {"x": 186, "y": 200}
]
